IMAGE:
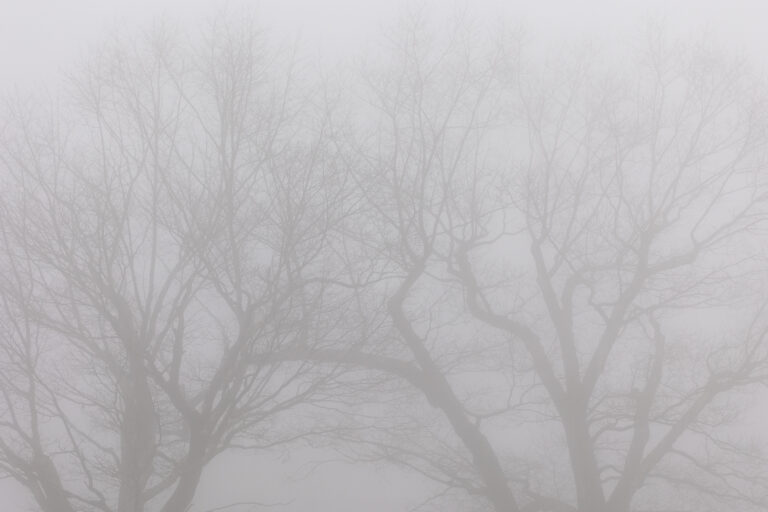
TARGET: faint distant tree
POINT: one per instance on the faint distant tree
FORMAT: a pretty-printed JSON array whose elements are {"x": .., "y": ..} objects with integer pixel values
[
  {"x": 536, "y": 282},
  {"x": 165, "y": 226},
  {"x": 640, "y": 201},
  {"x": 569, "y": 255}
]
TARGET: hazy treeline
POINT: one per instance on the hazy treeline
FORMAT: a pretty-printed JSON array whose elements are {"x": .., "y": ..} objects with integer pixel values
[{"x": 536, "y": 280}]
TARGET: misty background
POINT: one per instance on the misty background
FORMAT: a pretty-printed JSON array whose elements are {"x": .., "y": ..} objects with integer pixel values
[{"x": 40, "y": 41}]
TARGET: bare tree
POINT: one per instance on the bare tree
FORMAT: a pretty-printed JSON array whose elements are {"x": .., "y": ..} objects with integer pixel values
[
  {"x": 534, "y": 281},
  {"x": 163, "y": 231},
  {"x": 551, "y": 238},
  {"x": 633, "y": 192}
]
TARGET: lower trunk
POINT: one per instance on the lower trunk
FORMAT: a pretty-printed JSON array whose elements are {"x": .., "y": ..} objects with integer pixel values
[
  {"x": 586, "y": 474},
  {"x": 190, "y": 475},
  {"x": 439, "y": 392},
  {"x": 138, "y": 440},
  {"x": 49, "y": 492}
]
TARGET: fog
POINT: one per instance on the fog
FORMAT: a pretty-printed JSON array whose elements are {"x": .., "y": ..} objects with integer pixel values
[{"x": 383, "y": 256}]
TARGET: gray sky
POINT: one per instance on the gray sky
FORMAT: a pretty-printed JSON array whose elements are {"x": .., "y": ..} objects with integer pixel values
[{"x": 39, "y": 38}]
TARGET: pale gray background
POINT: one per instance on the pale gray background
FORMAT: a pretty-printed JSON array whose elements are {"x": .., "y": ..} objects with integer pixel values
[{"x": 41, "y": 38}]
